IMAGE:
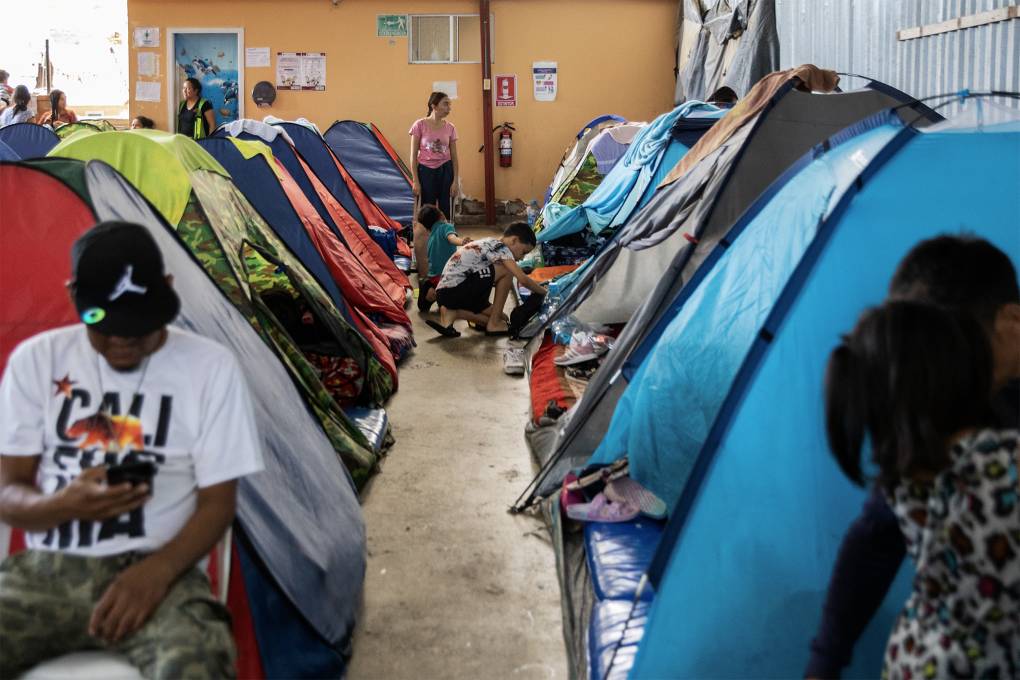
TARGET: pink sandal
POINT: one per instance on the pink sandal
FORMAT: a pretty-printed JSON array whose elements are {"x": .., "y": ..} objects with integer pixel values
[
  {"x": 626, "y": 490},
  {"x": 601, "y": 509}
]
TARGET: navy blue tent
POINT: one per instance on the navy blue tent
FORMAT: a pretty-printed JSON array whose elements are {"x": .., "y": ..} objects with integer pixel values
[
  {"x": 29, "y": 140},
  {"x": 741, "y": 572},
  {"x": 7, "y": 153},
  {"x": 315, "y": 152},
  {"x": 285, "y": 153},
  {"x": 258, "y": 183},
  {"x": 373, "y": 167}
]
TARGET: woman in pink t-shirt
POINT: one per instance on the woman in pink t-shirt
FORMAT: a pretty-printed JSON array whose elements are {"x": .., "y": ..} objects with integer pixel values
[{"x": 434, "y": 161}]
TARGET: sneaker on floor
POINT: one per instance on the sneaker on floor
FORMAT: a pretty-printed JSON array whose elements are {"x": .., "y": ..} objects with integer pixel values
[
  {"x": 513, "y": 361},
  {"x": 576, "y": 354}
]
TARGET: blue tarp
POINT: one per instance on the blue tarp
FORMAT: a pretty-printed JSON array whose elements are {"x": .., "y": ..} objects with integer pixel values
[
  {"x": 372, "y": 168},
  {"x": 320, "y": 159},
  {"x": 663, "y": 417},
  {"x": 615, "y": 199},
  {"x": 260, "y": 186},
  {"x": 743, "y": 568},
  {"x": 28, "y": 139}
]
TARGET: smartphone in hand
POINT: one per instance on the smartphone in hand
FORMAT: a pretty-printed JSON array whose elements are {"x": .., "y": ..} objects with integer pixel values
[{"x": 136, "y": 473}]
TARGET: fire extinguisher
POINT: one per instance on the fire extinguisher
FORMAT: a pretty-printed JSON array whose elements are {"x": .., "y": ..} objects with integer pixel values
[{"x": 506, "y": 144}]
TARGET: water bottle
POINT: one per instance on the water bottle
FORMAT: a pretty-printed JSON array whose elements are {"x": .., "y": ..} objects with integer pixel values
[{"x": 532, "y": 213}]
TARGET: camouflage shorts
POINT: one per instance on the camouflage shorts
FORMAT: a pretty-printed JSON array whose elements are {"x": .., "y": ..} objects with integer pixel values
[{"x": 46, "y": 600}]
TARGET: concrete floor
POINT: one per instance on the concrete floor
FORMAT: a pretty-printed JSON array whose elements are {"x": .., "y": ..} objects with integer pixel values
[{"x": 457, "y": 587}]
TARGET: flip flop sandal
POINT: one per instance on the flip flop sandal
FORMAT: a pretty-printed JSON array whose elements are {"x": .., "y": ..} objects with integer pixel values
[
  {"x": 602, "y": 509},
  {"x": 445, "y": 331},
  {"x": 626, "y": 490}
]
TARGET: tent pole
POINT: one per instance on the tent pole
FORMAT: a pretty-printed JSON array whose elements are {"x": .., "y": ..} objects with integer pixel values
[{"x": 490, "y": 189}]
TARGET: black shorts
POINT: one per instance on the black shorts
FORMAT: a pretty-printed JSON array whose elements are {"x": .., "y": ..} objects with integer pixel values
[{"x": 471, "y": 294}]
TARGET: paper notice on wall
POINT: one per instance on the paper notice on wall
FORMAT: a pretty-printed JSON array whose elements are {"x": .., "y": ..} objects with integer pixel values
[
  {"x": 147, "y": 91},
  {"x": 301, "y": 71},
  {"x": 147, "y": 36},
  {"x": 256, "y": 57},
  {"x": 448, "y": 87},
  {"x": 148, "y": 64},
  {"x": 545, "y": 76}
]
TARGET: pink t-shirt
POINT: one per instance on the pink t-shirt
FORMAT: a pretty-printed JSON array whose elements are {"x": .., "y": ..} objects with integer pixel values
[{"x": 434, "y": 145}]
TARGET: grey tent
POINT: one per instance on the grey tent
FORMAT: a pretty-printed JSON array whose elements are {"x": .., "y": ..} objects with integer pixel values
[{"x": 656, "y": 253}]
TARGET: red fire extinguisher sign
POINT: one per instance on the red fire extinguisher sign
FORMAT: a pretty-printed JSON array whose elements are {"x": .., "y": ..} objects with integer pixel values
[{"x": 506, "y": 90}]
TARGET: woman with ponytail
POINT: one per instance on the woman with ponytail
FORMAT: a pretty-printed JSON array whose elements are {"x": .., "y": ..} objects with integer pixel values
[
  {"x": 916, "y": 383},
  {"x": 18, "y": 111}
]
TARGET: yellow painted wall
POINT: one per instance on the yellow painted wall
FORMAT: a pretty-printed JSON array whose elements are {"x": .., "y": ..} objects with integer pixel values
[{"x": 614, "y": 56}]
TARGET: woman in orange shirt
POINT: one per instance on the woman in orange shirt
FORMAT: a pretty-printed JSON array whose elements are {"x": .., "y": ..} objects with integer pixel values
[{"x": 58, "y": 114}]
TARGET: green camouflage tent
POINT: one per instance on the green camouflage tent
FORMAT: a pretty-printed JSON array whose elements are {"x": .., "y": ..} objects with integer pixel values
[{"x": 330, "y": 361}]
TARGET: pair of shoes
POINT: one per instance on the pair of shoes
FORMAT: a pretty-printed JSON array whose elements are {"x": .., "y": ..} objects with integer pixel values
[
  {"x": 445, "y": 331},
  {"x": 576, "y": 354},
  {"x": 626, "y": 490},
  {"x": 601, "y": 509},
  {"x": 424, "y": 304},
  {"x": 513, "y": 361}
]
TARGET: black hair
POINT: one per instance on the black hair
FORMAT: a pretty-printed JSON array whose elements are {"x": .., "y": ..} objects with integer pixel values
[
  {"x": 523, "y": 233},
  {"x": 195, "y": 84},
  {"x": 22, "y": 97},
  {"x": 55, "y": 96},
  {"x": 428, "y": 215},
  {"x": 962, "y": 273},
  {"x": 908, "y": 377},
  {"x": 434, "y": 100},
  {"x": 724, "y": 95},
  {"x": 146, "y": 122}
]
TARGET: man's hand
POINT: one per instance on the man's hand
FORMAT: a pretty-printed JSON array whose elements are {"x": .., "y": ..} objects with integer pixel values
[
  {"x": 466, "y": 240},
  {"x": 131, "y": 599},
  {"x": 88, "y": 497},
  {"x": 416, "y": 188}
]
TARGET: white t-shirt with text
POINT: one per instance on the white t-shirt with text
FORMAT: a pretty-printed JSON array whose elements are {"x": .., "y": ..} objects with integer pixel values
[
  {"x": 475, "y": 257},
  {"x": 186, "y": 409}
]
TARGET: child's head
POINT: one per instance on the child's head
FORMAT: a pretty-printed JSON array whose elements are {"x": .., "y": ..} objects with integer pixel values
[
  {"x": 968, "y": 275},
  {"x": 907, "y": 378},
  {"x": 519, "y": 238},
  {"x": 428, "y": 215},
  {"x": 142, "y": 122}
]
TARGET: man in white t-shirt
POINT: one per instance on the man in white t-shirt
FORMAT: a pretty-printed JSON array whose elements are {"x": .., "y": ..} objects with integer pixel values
[{"x": 121, "y": 442}]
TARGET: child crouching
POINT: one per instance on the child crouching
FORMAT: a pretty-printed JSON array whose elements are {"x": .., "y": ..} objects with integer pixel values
[
  {"x": 474, "y": 271},
  {"x": 442, "y": 244}
]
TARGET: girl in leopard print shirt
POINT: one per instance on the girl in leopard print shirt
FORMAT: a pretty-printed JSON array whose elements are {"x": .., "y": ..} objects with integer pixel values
[{"x": 917, "y": 383}]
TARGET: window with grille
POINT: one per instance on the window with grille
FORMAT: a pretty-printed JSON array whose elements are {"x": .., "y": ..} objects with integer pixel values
[{"x": 446, "y": 39}]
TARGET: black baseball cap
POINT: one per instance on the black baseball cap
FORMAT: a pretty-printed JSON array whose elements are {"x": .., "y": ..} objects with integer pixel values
[{"x": 118, "y": 282}]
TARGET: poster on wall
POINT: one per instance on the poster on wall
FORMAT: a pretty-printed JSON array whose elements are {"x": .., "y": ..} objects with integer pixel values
[
  {"x": 212, "y": 59},
  {"x": 506, "y": 90},
  {"x": 147, "y": 36},
  {"x": 301, "y": 71},
  {"x": 544, "y": 74}
]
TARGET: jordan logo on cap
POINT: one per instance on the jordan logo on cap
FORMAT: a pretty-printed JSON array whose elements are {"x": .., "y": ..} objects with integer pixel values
[{"x": 125, "y": 285}]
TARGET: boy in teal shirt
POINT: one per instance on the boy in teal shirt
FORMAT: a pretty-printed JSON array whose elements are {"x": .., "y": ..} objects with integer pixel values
[{"x": 442, "y": 244}]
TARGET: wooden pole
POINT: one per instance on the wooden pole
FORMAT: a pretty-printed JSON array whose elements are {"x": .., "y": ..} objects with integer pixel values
[{"x": 490, "y": 180}]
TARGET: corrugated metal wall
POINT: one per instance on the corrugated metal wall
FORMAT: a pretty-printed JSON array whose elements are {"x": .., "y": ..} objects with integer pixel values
[{"x": 859, "y": 36}]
